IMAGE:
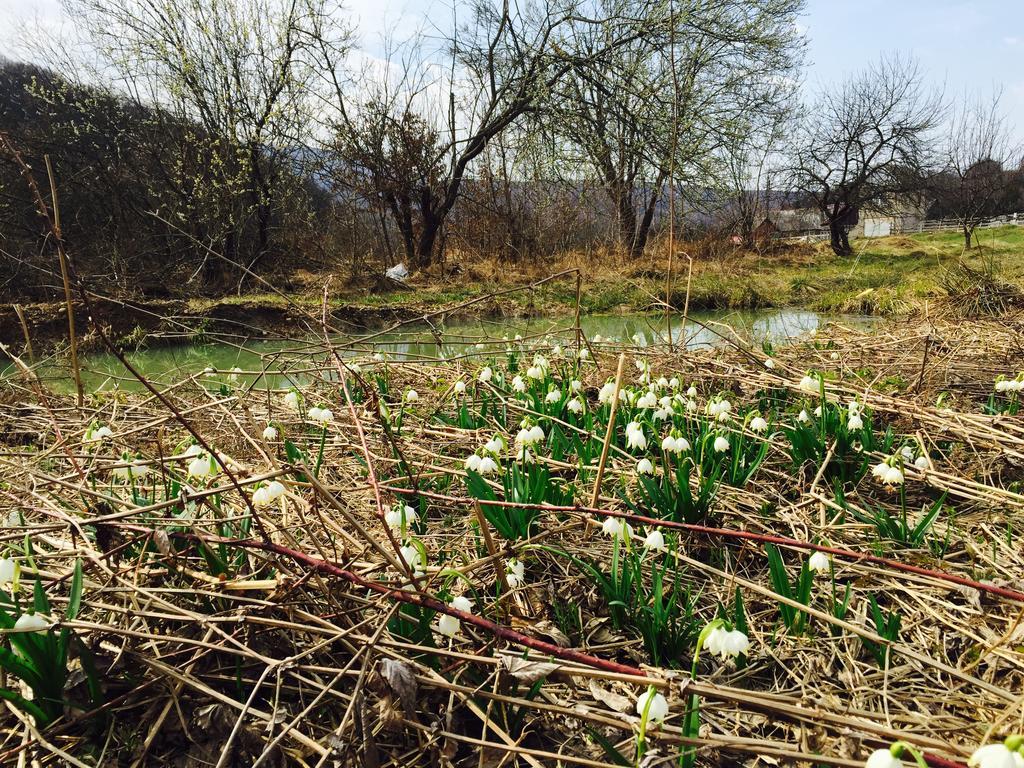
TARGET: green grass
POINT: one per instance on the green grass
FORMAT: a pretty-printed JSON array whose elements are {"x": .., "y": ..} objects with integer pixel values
[{"x": 885, "y": 276}]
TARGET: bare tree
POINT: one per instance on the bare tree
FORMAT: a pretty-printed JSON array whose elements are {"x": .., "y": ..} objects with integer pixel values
[
  {"x": 669, "y": 102},
  {"x": 978, "y": 161},
  {"x": 869, "y": 142}
]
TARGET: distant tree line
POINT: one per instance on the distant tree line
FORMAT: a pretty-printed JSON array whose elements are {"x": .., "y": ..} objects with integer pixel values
[{"x": 203, "y": 146}]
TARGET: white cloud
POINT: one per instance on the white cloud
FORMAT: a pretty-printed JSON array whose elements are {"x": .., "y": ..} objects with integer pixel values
[{"x": 1011, "y": 40}]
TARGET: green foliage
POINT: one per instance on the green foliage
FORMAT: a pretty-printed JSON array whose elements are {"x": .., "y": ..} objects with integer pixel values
[
  {"x": 898, "y": 528},
  {"x": 40, "y": 659},
  {"x": 529, "y": 484},
  {"x": 810, "y": 443},
  {"x": 670, "y": 496},
  {"x": 799, "y": 591},
  {"x": 887, "y": 626}
]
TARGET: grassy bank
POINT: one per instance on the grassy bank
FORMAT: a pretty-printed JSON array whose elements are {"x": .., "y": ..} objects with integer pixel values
[{"x": 886, "y": 276}]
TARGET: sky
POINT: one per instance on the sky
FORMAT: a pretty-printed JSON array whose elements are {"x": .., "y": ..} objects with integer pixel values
[{"x": 972, "y": 45}]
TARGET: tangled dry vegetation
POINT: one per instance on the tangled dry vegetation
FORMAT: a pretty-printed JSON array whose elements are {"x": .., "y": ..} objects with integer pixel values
[{"x": 276, "y": 603}]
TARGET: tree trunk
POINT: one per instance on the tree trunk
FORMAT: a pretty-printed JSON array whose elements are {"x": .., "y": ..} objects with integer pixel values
[
  {"x": 839, "y": 238},
  {"x": 427, "y": 239},
  {"x": 968, "y": 234}
]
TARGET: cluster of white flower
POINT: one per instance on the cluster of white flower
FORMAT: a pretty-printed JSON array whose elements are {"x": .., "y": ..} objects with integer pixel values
[
  {"x": 606, "y": 393},
  {"x": 719, "y": 408},
  {"x": 647, "y": 400},
  {"x": 450, "y": 626},
  {"x": 673, "y": 443},
  {"x": 758, "y": 424},
  {"x": 321, "y": 416},
  {"x": 575, "y": 405},
  {"x": 529, "y": 434},
  {"x": 617, "y": 528},
  {"x": 553, "y": 395},
  {"x": 1010, "y": 385},
  {"x": 485, "y": 375},
  {"x": 854, "y": 416},
  {"x": 888, "y": 471},
  {"x": 202, "y": 464},
  {"x": 515, "y": 573},
  {"x": 518, "y": 384},
  {"x": 268, "y": 494},
  {"x": 1006, "y": 754},
  {"x": 635, "y": 437},
  {"x": 292, "y": 399},
  {"x": 726, "y": 642},
  {"x": 482, "y": 465},
  {"x": 400, "y": 517}
]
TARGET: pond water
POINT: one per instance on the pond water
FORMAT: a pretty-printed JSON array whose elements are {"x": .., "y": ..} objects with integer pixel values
[{"x": 278, "y": 363}]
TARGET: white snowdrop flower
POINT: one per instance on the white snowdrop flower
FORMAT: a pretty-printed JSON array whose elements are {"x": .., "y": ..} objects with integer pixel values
[
  {"x": 769, "y": 364},
  {"x": 921, "y": 462},
  {"x": 411, "y": 556},
  {"x": 606, "y": 393},
  {"x": 412, "y": 396},
  {"x": 735, "y": 643},
  {"x": 575, "y": 405},
  {"x": 194, "y": 450},
  {"x": 598, "y": 338},
  {"x": 518, "y": 384},
  {"x": 97, "y": 434},
  {"x": 810, "y": 384},
  {"x": 854, "y": 406},
  {"x": 583, "y": 354},
  {"x": 616, "y": 528},
  {"x": 9, "y": 571},
  {"x": 803, "y": 418},
  {"x": 713, "y": 641},
  {"x": 721, "y": 444},
  {"x": 883, "y": 758},
  {"x": 854, "y": 422},
  {"x": 758, "y": 424},
  {"x": 519, "y": 337},
  {"x": 879, "y": 470},
  {"x": 834, "y": 356},
  {"x": 819, "y": 562},
  {"x": 323, "y": 416},
  {"x": 524, "y": 456},
  {"x": 261, "y": 497},
  {"x": 473, "y": 462},
  {"x": 536, "y": 434},
  {"x": 662, "y": 414},
  {"x": 495, "y": 445},
  {"x": 535, "y": 372},
  {"x": 995, "y": 756},
  {"x": 575, "y": 385},
  {"x": 449, "y": 626},
  {"x": 556, "y": 350},
  {"x": 292, "y": 399},
  {"x": 691, "y": 392},
  {"x": 893, "y": 476},
  {"x": 460, "y": 387},
  {"x": 655, "y": 540},
  {"x": 270, "y": 432},
  {"x": 541, "y": 362},
  {"x": 31, "y": 622},
  {"x": 673, "y": 382},
  {"x": 553, "y": 396},
  {"x": 515, "y": 573},
  {"x": 662, "y": 382},
  {"x": 665, "y": 402},
  {"x": 234, "y": 373},
  {"x": 691, "y": 406},
  {"x": 907, "y": 453},
  {"x": 648, "y": 400},
  {"x": 817, "y": 412},
  {"x": 202, "y": 466},
  {"x": 644, "y": 467},
  {"x": 485, "y": 375},
  {"x": 400, "y": 517},
  {"x": 314, "y": 413},
  {"x": 655, "y": 705},
  {"x": 723, "y": 417},
  {"x": 378, "y": 357},
  {"x": 635, "y": 437},
  {"x": 487, "y": 465},
  {"x": 276, "y": 489}
]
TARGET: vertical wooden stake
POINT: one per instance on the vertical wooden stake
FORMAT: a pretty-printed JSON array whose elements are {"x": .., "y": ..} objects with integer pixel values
[
  {"x": 686, "y": 301},
  {"x": 609, "y": 433},
  {"x": 67, "y": 283},
  {"x": 579, "y": 329}
]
